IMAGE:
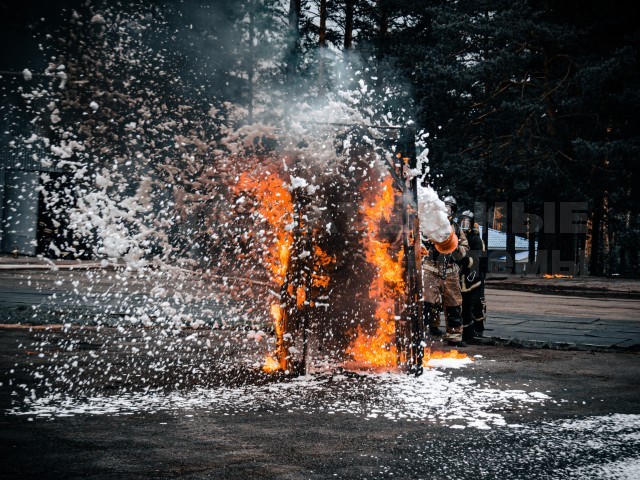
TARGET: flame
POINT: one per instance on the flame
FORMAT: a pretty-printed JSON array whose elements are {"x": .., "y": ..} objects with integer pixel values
[
  {"x": 276, "y": 206},
  {"x": 440, "y": 355},
  {"x": 301, "y": 296},
  {"x": 437, "y": 355},
  {"x": 274, "y": 203},
  {"x": 270, "y": 364},
  {"x": 322, "y": 262},
  {"x": 276, "y": 314},
  {"x": 556, "y": 275},
  {"x": 379, "y": 349}
]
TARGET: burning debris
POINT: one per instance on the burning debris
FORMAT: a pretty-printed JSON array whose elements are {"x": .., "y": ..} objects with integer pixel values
[
  {"x": 378, "y": 348},
  {"x": 339, "y": 249},
  {"x": 253, "y": 250}
]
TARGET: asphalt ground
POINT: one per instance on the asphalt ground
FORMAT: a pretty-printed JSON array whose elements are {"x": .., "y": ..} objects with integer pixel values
[
  {"x": 77, "y": 405},
  {"x": 107, "y": 401}
]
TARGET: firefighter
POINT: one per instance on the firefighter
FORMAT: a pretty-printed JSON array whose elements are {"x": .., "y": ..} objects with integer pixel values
[
  {"x": 441, "y": 282},
  {"x": 472, "y": 277}
]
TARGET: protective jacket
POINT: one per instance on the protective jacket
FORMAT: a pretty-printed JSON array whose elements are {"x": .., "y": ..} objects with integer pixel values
[
  {"x": 444, "y": 262},
  {"x": 438, "y": 266},
  {"x": 471, "y": 275}
]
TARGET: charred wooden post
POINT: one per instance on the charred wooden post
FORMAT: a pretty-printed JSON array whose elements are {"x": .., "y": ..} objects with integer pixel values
[
  {"x": 295, "y": 291},
  {"x": 409, "y": 329}
]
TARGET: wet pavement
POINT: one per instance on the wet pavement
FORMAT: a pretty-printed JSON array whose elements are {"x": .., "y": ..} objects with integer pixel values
[
  {"x": 553, "y": 394},
  {"x": 76, "y": 405},
  {"x": 563, "y": 320}
]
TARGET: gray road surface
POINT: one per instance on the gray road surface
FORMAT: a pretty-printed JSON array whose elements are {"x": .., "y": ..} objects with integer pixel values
[
  {"x": 82, "y": 403},
  {"x": 106, "y": 402},
  {"x": 523, "y": 316}
]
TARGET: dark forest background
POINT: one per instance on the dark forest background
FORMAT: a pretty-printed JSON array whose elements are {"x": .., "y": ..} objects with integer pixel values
[{"x": 530, "y": 105}]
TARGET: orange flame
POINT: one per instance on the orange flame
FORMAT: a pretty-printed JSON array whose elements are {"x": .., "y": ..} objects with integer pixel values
[
  {"x": 275, "y": 204},
  {"x": 322, "y": 262},
  {"x": 270, "y": 364},
  {"x": 440, "y": 355},
  {"x": 301, "y": 296},
  {"x": 556, "y": 275},
  {"x": 379, "y": 349},
  {"x": 437, "y": 355}
]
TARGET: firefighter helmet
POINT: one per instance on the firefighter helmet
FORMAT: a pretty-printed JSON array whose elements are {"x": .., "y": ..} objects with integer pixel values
[
  {"x": 466, "y": 220},
  {"x": 450, "y": 202}
]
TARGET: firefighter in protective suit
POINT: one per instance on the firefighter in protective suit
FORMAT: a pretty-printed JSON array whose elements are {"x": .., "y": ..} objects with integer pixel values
[
  {"x": 472, "y": 280},
  {"x": 441, "y": 283}
]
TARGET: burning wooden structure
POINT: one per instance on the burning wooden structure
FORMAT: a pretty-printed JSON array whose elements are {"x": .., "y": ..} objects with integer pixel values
[{"x": 350, "y": 267}]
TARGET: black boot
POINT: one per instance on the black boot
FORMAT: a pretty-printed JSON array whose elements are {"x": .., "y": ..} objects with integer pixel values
[
  {"x": 478, "y": 327},
  {"x": 454, "y": 326},
  {"x": 431, "y": 315},
  {"x": 454, "y": 317},
  {"x": 435, "y": 331},
  {"x": 468, "y": 333}
]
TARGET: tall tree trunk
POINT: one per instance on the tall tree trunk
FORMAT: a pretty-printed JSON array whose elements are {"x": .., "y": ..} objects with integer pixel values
[
  {"x": 293, "y": 53},
  {"x": 582, "y": 241},
  {"x": 383, "y": 34},
  {"x": 384, "y": 20},
  {"x": 532, "y": 248},
  {"x": 511, "y": 238},
  {"x": 549, "y": 107},
  {"x": 295, "y": 7},
  {"x": 606, "y": 236},
  {"x": 323, "y": 43},
  {"x": 625, "y": 263},
  {"x": 595, "y": 265},
  {"x": 251, "y": 66},
  {"x": 348, "y": 25},
  {"x": 323, "y": 23}
]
